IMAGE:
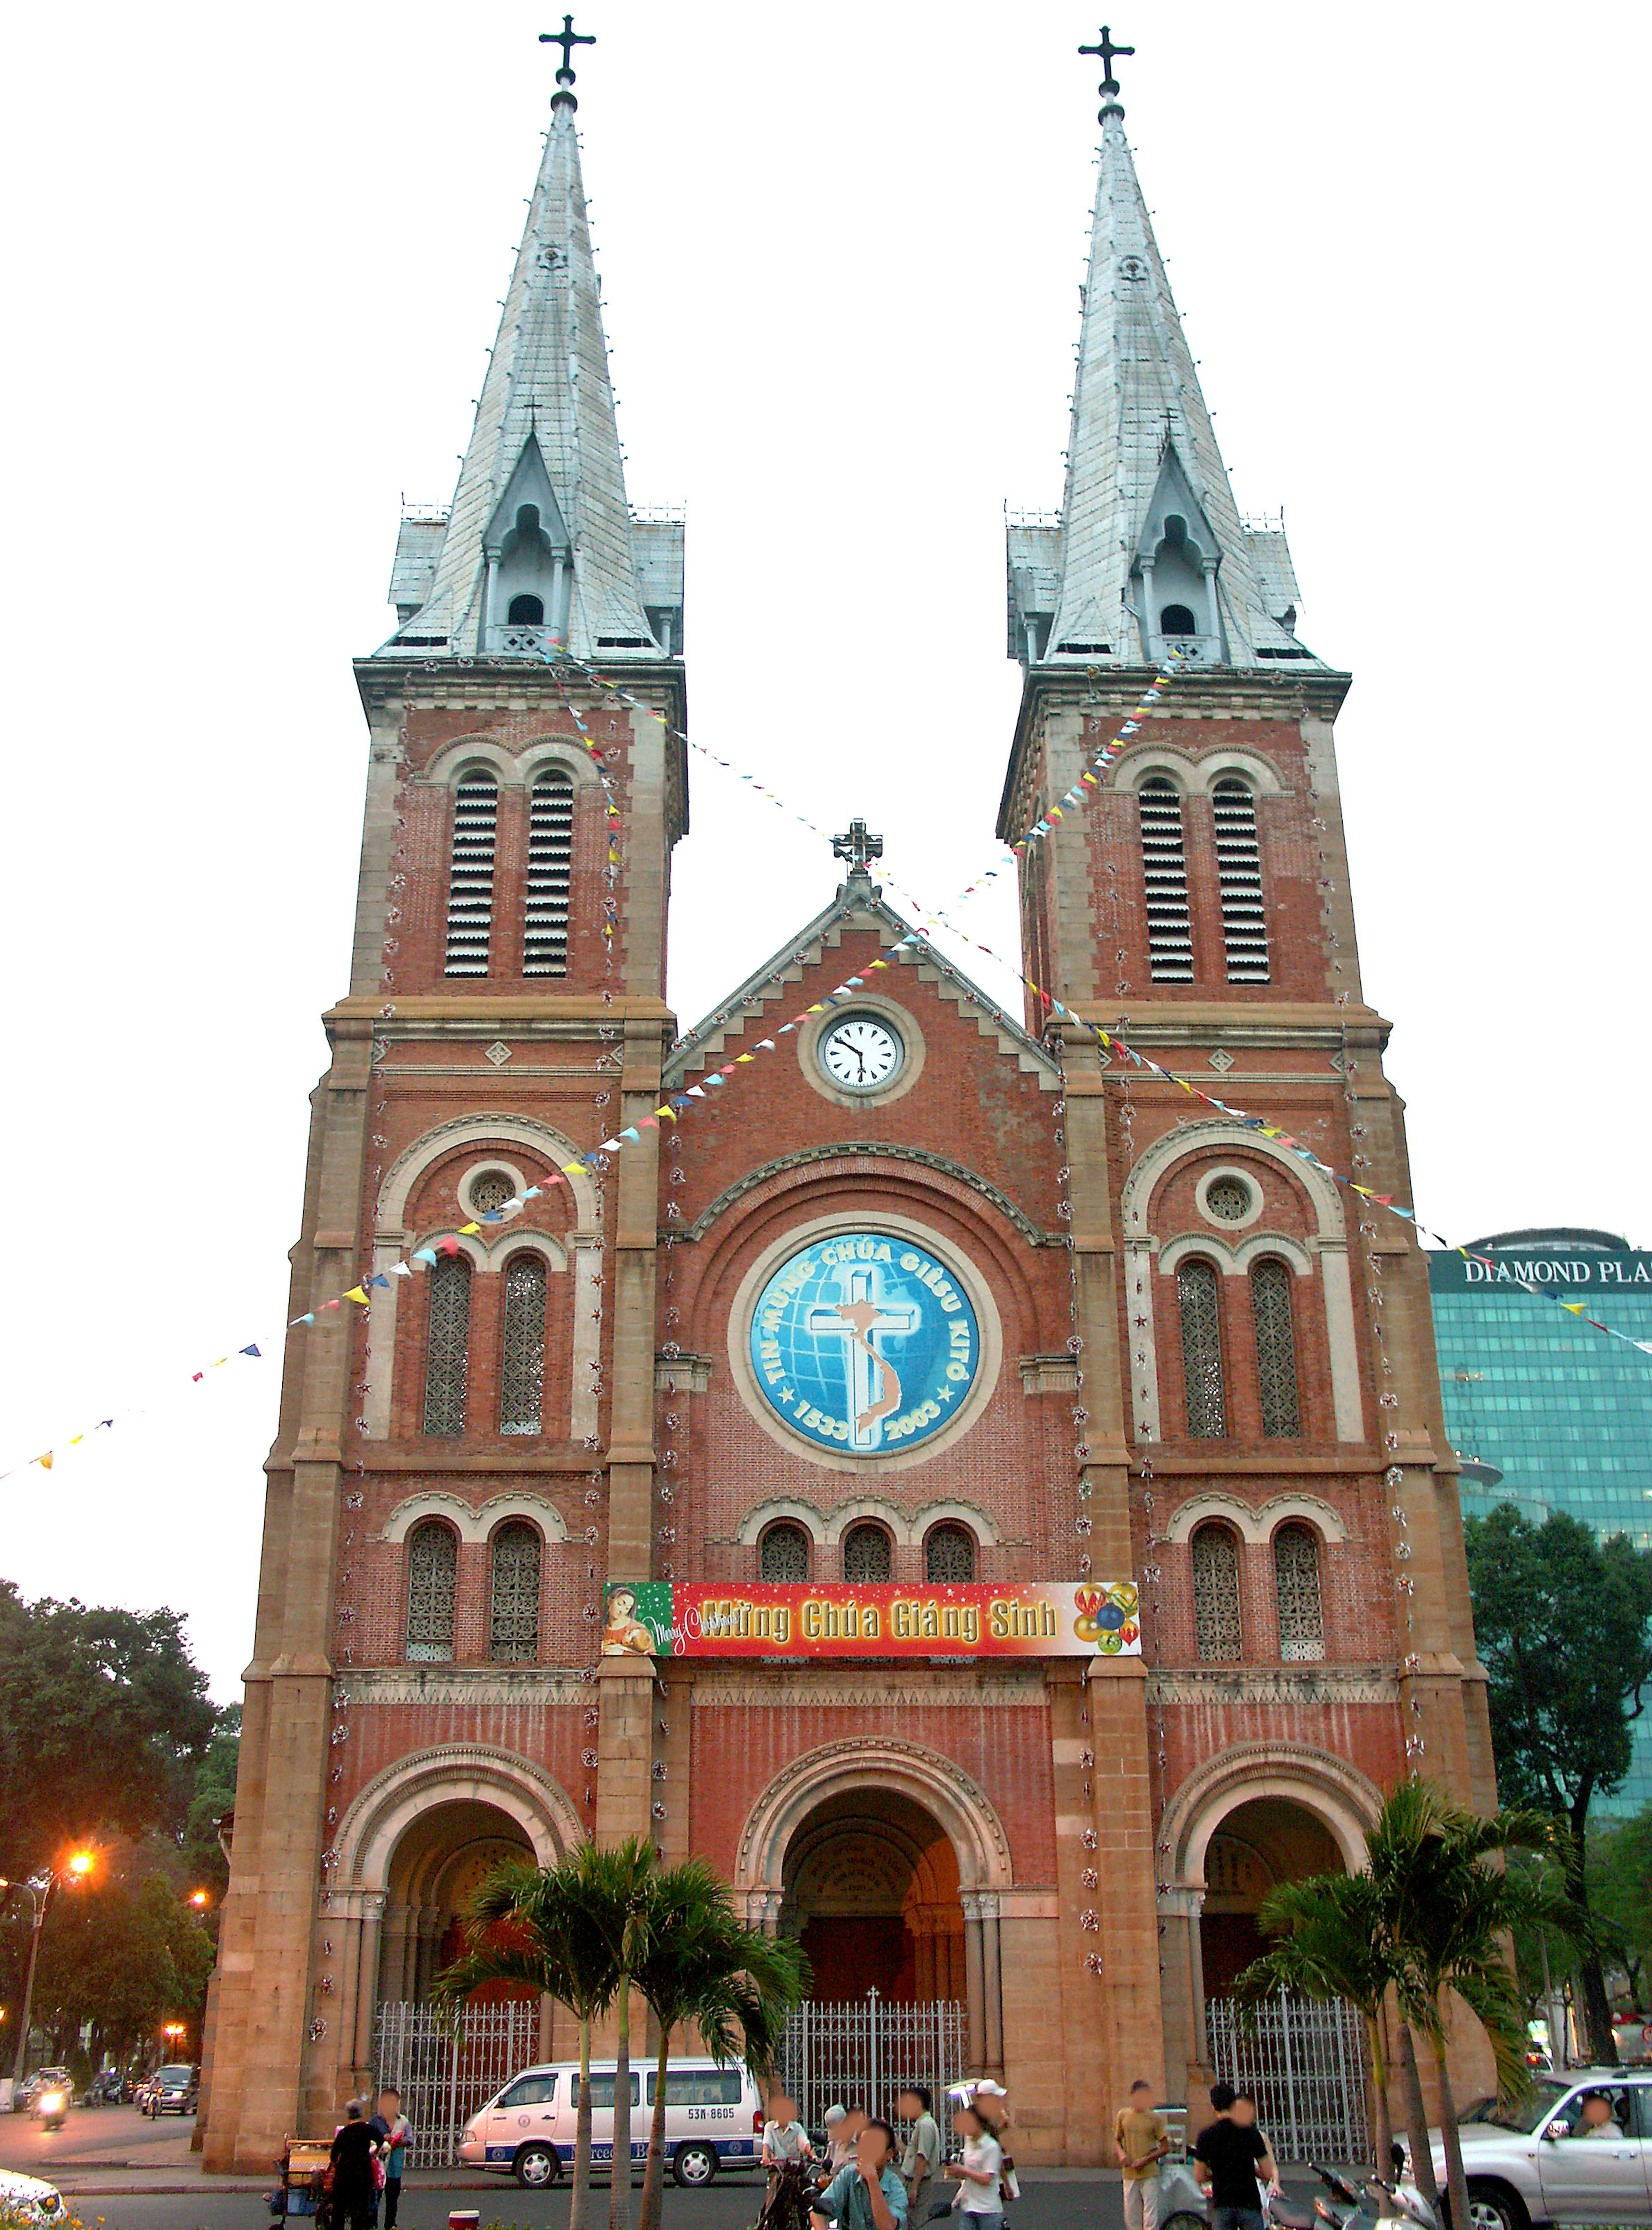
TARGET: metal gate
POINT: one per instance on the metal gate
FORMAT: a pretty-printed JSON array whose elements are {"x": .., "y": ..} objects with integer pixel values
[
  {"x": 867, "y": 2052},
  {"x": 1304, "y": 2064},
  {"x": 446, "y": 2064}
]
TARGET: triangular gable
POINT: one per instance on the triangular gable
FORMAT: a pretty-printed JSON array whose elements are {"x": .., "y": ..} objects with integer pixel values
[
  {"x": 530, "y": 483},
  {"x": 1175, "y": 496}
]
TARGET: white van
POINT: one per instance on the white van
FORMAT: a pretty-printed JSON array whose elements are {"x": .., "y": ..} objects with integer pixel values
[{"x": 713, "y": 2120}]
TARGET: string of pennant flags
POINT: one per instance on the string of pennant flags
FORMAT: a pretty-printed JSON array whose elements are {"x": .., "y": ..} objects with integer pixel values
[{"x": 677, "y": 1105}]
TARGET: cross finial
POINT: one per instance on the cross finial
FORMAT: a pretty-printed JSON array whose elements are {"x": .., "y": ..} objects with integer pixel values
[
  {"x": 1107, "y": 50},
  {"x": 567, "y": 38},
  {"x": 857, "y": 845}
]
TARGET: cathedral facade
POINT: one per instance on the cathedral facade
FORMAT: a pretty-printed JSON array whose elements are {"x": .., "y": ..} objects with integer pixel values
[{"x": 989, "y": 1501}]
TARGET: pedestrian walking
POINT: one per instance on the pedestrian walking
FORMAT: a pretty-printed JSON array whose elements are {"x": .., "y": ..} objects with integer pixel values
[
  {"x": 1231, "y": 2152},
  {"x": 392, "y": 2129},
  {"x": 867, "y": 2194},
  {"x": 979, "y": 2173},
  {"x": 1140, "y": 2143},
  {"x": 922, "y": 2158},
  {"x": 354, "y": 2198}
]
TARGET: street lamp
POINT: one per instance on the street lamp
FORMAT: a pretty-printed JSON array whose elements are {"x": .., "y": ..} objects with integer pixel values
[
  {"x": 198, "y": 1899},
  {"x": 173, "y": 2032},
  {"x": 76, "y": 1867}
]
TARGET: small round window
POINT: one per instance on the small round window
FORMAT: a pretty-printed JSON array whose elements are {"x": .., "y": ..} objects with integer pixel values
[
  {"x": 1228, "y": 1200},
  {"x": 491, "y": 1188}
]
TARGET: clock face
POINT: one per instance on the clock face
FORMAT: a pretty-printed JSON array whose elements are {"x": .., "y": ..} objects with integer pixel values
[{"x": 860, "y": 1053}]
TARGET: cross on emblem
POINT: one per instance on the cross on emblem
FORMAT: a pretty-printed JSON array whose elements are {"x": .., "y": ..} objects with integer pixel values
[
  {"x": 857, "y": 845},
  {"x": 858, "y": 1320},
  {"x": 1106, "y": 49},
  {"x": 567, "y": 38}
]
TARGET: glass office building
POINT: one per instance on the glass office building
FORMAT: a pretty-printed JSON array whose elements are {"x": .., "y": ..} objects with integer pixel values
[{"x": 1544, "y": 1411}]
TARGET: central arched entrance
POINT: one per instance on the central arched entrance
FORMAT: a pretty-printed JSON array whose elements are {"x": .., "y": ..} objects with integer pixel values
[
  {"x": 870, "y": 1889},
  {"x": 438, "y": 1862},
  {"x": 1258, "y": 1845}
]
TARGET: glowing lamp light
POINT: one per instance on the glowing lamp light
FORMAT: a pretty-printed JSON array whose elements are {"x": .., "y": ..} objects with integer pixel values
[
  {"x": 197, "y": 1897},
  {"x": 80, "y": 1864}
]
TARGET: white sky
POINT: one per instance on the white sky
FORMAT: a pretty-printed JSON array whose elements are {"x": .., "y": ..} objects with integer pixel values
[{"x": 254, "y": 263}]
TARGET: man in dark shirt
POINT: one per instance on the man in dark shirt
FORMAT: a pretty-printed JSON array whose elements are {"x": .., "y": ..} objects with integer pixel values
[{"x": 1228, "y": 2154}]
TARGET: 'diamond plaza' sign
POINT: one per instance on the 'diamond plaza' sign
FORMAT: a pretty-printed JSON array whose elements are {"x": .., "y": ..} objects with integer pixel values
[{"x": 865, "y": 1342}]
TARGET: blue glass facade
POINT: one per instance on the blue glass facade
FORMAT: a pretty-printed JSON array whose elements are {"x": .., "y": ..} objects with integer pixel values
[{"x": 1562, "y": 1413}]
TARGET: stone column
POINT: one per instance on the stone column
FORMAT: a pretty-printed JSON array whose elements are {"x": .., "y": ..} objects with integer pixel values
[
  {"x": 1179, "y": 1912},
  {"x": 993, "y": 1974},
  {"x": 372, "y": 1927},
  {"x": 974, "y": 1979},
  {"x": 395, "y": 1950}
]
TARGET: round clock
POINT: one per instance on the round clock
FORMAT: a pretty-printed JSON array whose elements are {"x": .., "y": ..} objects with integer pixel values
[{"x": 860, "y": 1053}]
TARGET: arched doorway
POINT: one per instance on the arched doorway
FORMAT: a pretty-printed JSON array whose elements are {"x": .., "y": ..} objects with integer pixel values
[
  {"x": 1259, "y": 1844},
  {"x": 438, "y": 1862},
  {"x": 870, "y": 1888}
]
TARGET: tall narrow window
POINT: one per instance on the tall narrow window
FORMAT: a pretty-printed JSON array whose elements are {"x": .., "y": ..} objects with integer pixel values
[
  {"x": 865, "y": 1554},
  {"x": 1163, "y": 865},
  {"x": 470, "y": 884},
  {"x": 1297, "y": 1579},
  {"x": 448, "y": 1349},
  {"x": 1216, "y": 1595},
  {"x": 513, "y": 1607},
  {"x": 1199, "y": 1298},
  {"x": 1275, "y": 1349},
  {"x": 433, "y": 1566},
  {"x": 1238, "y": 871},
  {"x": 550, "y": 856},
  {"x": 521, "y": 1358},
  {"x": 949, "y": 1554},
  {"x": 785, "y": 1552}
]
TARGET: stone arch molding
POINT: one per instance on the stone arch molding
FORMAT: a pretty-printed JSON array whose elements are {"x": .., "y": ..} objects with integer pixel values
[
  {"x": 1144, "y": 1256},
  {"x": 410, "y": 1164},
  {"x": 473, "y": 1524},
  {"x": 508, "y": 766},
  {"x": 827, "y": 1528},
  {"x": 1198, "y": 777},
  {"x": 1254, "y": 1525},
  {"x": 390, "y": 1803},
  {"x": 953, "y": 1797},
  {"x": 1337, "y": 1795}
]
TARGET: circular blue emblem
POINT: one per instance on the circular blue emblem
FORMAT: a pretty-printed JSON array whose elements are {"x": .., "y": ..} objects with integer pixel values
[{"x": 865, "y": 1342}]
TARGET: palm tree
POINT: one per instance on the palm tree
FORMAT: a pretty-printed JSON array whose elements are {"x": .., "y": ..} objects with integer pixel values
[
  {"x": 533, "y": 1925},
  {"x": 613, "y": 1893},
  {"x": 703, "y": 1964}
]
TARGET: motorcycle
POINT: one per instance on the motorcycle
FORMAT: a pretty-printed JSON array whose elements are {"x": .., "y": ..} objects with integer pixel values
[
  {"x": 1397, "y": 2203},
  {"x": 52, "y": 2108}
]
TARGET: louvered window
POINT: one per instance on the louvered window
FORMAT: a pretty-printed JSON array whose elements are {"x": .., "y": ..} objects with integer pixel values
[
  {"x": 550, "y": 856},
  {"x": 1163, "y": 865},
  {"x": 522, "y": 1356},
  {"x": 433, "y": 1567},
  {"x": 513, "y": 1609},
  {"x": 447, "y": 1349},
  {"x": 470, "y": 886},
  {"x": 1198, "y": 1298},
  {"x": 1276, "y": 1350},
  {"x": 1297, "y": 1577},
  {"x": 949, "y": 1554},
  {"x": 784, "y": 1555},
  {"x": 1239, "y": 870},
  {"x": 865, "y": 1553},
  {"x": 1216, "y": 1595}
]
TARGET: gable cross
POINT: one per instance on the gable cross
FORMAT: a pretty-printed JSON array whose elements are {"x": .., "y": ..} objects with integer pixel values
[{"x": 857, "y": 845}]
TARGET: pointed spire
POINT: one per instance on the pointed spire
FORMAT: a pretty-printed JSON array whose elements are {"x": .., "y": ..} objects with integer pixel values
[
  {"x": 539, "y": 516},
  {"x": 1148, "y": 523}
]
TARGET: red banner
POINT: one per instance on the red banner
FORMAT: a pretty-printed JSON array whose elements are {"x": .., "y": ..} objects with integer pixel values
[{"x": 1024, "y": 1618}]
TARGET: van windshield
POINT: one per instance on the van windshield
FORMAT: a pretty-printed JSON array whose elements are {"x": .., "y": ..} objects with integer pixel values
[
  {"x": 529, "y": 2090},
  {"x": 602, "y": 2089}
]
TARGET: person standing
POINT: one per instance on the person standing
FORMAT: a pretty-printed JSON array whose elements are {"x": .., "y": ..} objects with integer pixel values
[
  {"x": 980, "y": 2172},
  {"x": 922, "y": 2156},
  {"x": 354, "y": 2198},
  {"x": 1232, "y": 2151},
  {"x": 1139, "y": 2143},
  {"x": 392, "y": 2129}
]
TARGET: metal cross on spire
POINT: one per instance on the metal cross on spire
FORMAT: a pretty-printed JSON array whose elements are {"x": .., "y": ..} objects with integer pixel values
[
  {"x": 1107, "y": 50},
  {"x": 567, "y": 38},
  {"x": 857, "y": 845}
]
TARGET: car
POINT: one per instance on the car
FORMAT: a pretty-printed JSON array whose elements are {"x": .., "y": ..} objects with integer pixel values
[
  {"x": 714, "y": 2121},
  {"x": 1532, "y": 2165},
  {"x": 26, "y": 2199},
  {"x": 172, "y": 2091}
]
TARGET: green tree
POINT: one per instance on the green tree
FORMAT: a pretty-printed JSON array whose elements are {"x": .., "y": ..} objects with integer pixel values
[
  {"x": 701, "y": 1964},
  {"x": 201, "y": 1853},
  {"x": 106, "y": 1719},
  {"x": 1561, "y": 1618},
  {"x": 120, "y": 1957}
]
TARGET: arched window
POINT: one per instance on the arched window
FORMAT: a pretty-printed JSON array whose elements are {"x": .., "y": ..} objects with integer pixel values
[
  {"x": 513, "y": 1604},
  {"x": 550, "y": 857},
  {"x": 526, "y": 611},
  {"x": 784, "y": 1552},
  {"x": 1297, "y": 1581},
  {"x": 1216, "y": 1595},
  {"x": 949, "y": 1553},
  {"x": 447, "y": 1347},
  {"x": 1238, "y": 872},
  {"x": 1164, "y": 865},
  {"x": 521, "y": 1346},
  {"x": 1176, "y": 619},
  {"x": 865, "y": 1554},
  {"x": 1275, "y": 1349},
  {"x": 1198, "y": 1298},
  {"x": 433, "y": 1566},
  {"x": 470, "y": 882}
]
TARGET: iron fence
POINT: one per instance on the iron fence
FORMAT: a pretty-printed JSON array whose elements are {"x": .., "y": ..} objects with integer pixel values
[
  {"x": 1304, "y": 2064},
  {"x": 868, "y": 2051},
  {"x": 447, "y": 2065}
]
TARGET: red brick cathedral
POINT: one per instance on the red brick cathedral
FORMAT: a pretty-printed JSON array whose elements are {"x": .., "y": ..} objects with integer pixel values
[{"x": 864, "y": 1354}]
